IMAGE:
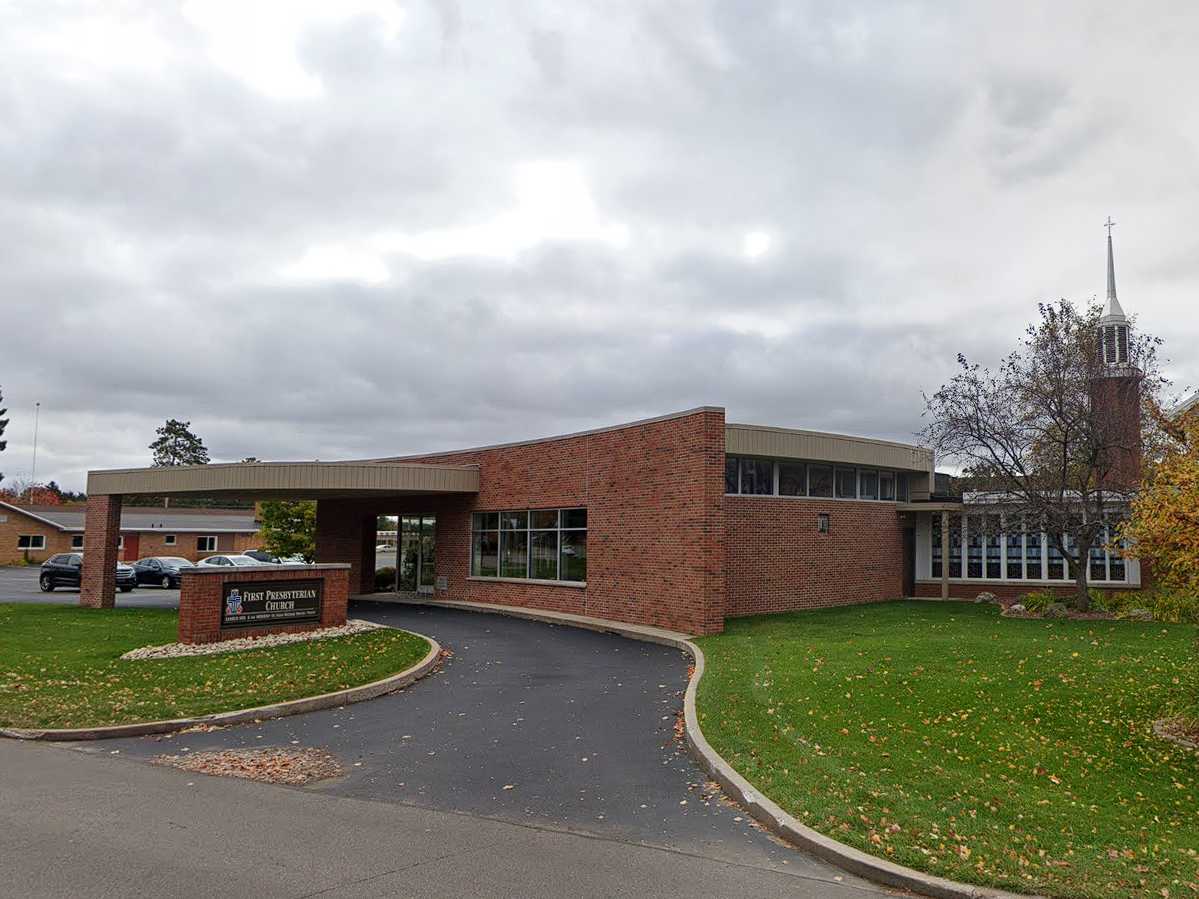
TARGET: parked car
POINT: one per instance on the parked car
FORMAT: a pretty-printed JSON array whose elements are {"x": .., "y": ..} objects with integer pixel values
[
  {"x": 293, "y": 560},
  {"x": 63, "y": 570},
  {"x": 262, "y": 556},
  {"x": 235, "y": 559},
  {"x": 161, "y": 571}
]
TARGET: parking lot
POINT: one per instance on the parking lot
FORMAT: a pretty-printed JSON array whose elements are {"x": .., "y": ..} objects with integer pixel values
[{"x": 20, "y": 585}]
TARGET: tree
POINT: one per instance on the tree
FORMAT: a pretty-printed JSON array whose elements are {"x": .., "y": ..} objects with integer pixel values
[
  {"x": 1052, "y": 438},
  {"x": 177, "y": 445},
  {"x": 3, "y": 425},
  {"x": 289, "y": 528},
  {"x": 1163, "y": 528}
]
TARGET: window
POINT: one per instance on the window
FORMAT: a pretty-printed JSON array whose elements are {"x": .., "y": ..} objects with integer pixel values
[
  {"x": 974, "y": 547},
  {"x": 1032, "y": 556},
  {"x": 206, "y": 544},
  {"x": 541, "y": 544},
  {"x": 76, "y": 541},
  {"x": 902, "y": 492},
  {"x": 847, "y": 483},
  {"x": 822, "y": 522},
  {"x": 935, "y": 546},
  {"x": 1015, "y": 555},
  {"x": 168, "y": 540},
  {"x": 992, "y": 534},
  {"x": 732, "y": 468},
  {"x": 31, "y": 541},
  {"x": 820, "y": 480},
  {"x": 793, "y": 479},
  {"x": 886, "y": 485},
  {"x": 121, "y": 541},
  {"x": 514, "y": 544},
  {"x": 868, "y": 484},
  {"x": 955, "y": 546},
  {"x": 757, "y": 477}
]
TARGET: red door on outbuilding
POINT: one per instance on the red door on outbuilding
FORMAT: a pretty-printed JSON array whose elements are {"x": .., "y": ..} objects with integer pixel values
[{"x": 132, "y": 547}]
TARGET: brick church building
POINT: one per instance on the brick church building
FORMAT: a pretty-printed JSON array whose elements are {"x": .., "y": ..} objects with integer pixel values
[{"x": 679, "y": 521}]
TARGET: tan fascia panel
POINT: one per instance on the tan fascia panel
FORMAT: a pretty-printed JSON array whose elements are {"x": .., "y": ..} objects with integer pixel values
[
  {"x": 294, "y": 480},
  {"x": 816, "y": 446}
]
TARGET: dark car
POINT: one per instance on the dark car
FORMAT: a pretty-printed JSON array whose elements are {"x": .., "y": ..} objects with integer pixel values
[
  {"x": 161, "y": 571},
  {"x": 62, "y": 570}
]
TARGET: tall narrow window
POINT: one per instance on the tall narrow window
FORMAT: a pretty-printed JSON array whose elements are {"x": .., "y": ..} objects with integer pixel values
[
  {"x": 974, "y": 547},
  {"x": 955, "y": 545},
  {"x": 868, "y": 484},
  {"x": 1032, "y": 554},
  {"x": 993, "y": 538},
  {"x": 902, "y": 487},
  {"x": 936, "y": 546},
  {"x": 514, "y": 544},
  {"x": 1015, "y": 550},
  {"x": 820, "y": 480},
  {"x": 792, "y": 479},
  {"x": 886, "y": 485},
  {"x": 543, "y": 545},
  {"x": 573, "y": 565},
  {"x": 847, "y": 483},
  {"x": 732, "y": 469},
  {"x": 485, "y": 544}
]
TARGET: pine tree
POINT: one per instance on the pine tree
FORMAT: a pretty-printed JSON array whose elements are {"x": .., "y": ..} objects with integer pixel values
[{"x": 177, "y": 445}]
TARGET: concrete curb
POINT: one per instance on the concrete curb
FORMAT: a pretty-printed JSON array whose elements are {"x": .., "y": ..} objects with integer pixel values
[
  {"x": 372, "y": 690},
  {"x": 767, "y": 813}
]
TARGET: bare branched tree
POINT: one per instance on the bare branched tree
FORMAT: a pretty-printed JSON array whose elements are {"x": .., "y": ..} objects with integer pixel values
[{"x": 1053, "y": 439}]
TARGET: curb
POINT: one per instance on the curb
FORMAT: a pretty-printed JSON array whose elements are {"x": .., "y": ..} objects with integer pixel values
[
  {"x": 374, "y": 689},
  {"x": 767, "y": 813}
]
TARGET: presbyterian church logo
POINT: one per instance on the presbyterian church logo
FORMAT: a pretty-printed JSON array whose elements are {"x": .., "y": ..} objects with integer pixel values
[{"x": 233, "y": 602}]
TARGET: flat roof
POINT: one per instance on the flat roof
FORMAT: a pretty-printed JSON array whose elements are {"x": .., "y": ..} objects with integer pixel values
[{"x": 288, "y": 480}]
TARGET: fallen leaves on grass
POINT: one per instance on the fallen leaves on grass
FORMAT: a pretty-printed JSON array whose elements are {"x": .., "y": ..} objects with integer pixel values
[{"x": 268, "y": 764}]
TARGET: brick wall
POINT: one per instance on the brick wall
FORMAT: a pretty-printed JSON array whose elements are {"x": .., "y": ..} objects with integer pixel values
[
  {"x": 201, "y": 596},
  {"x": 779, "y": 562},
  {"x": 97, "y": 578},
  {"x": 15, "y": 525},
  {"x": 655, "y": 524}
]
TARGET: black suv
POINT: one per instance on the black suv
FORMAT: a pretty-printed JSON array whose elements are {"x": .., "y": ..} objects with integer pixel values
[
  {"x": 161, "y": 571},
  {"x": 63, "y": 571}
]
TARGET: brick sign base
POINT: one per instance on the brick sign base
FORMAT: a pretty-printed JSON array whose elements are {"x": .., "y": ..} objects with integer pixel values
[{"x": 202, "y": 599}]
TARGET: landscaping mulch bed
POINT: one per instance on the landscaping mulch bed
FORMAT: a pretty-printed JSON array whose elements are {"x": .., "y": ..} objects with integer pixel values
[{"x": 268, "y": 764}]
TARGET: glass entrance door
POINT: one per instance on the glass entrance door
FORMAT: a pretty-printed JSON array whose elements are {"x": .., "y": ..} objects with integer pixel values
[{"x": 417, "y": 554}]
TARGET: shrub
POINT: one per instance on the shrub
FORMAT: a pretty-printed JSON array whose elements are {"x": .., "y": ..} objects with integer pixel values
[
  {"x": 1171, "y": 605},
  {"x": 1038, "y": 600},
  {"x": 385, "y": 579}
]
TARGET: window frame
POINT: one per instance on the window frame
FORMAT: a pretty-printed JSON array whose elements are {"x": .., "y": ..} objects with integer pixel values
[
  {"x": 33, "y": 542},
  {"x": 203, "y": 548},
  {"x": 504, "y": 522}
]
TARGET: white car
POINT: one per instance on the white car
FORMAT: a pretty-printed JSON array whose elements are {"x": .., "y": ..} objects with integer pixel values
[{"x": 238, "y": 561}]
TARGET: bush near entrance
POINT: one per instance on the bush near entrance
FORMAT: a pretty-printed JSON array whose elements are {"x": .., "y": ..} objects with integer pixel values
[
  {"x": 60, "y": 666},
  {"x": 1005, "y": 752}
]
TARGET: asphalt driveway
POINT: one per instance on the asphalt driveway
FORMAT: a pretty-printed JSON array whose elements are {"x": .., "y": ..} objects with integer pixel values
[{"x": 541, "y": 725}]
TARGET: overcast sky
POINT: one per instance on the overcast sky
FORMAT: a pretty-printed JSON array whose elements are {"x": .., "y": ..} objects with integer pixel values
[{"x": 401, "y": 227}]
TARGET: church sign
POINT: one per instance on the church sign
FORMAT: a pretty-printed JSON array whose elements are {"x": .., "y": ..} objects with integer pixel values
[{"x": 266, "y": 603}]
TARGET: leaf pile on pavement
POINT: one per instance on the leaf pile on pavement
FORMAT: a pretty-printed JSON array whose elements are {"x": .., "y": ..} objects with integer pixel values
[{"x": 271, "y": 764}]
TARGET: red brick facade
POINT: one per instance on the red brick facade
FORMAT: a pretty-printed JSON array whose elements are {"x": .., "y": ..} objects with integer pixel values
[
  {"x": 778, "y": 561},
  {"x": 655, "y": 522},
  {"x": 201, "y": 596}
]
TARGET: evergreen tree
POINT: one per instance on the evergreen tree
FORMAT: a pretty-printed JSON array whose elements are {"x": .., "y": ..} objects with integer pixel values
[{"x": 177, "y": 445}]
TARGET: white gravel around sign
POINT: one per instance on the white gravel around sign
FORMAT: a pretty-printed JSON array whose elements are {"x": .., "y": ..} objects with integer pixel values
[{"x": 179, "y": 650}]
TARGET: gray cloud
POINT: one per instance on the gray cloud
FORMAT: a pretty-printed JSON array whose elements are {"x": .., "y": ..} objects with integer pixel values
[{"x": 357, "y": 269}]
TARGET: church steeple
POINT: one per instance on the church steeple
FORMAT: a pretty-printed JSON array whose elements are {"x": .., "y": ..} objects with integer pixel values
[{"x": 1113, "y": 326}]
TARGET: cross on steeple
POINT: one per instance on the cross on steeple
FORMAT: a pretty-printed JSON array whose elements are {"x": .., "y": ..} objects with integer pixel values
[{"x": 1109, "y": 224}]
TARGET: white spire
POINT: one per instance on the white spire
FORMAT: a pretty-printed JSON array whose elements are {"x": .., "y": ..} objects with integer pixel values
[{"x": 1112, "y": 312}]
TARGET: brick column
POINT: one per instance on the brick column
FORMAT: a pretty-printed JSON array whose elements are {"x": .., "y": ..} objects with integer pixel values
[
  {"x": 101, "y": 531},
  {"x": 346, "y": 532}
]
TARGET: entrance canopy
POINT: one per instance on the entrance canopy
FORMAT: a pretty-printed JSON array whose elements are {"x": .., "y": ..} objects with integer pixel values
[{"x": 287, "y": 480}]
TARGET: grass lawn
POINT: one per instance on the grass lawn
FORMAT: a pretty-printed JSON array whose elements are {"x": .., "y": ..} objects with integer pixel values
[
  {"x": 997, "y": 751},
  {"x": 60, "y": 667}
]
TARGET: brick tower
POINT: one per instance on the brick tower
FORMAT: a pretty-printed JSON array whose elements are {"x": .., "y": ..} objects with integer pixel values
[{"x": 1116, "y": 388}]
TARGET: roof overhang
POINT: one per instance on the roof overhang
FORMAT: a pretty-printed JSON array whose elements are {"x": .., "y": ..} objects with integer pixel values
[
  {"x": 790, "y": 443},
  {"x": 288, "y": 480},
  {"x": 931, "y": 506}
]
